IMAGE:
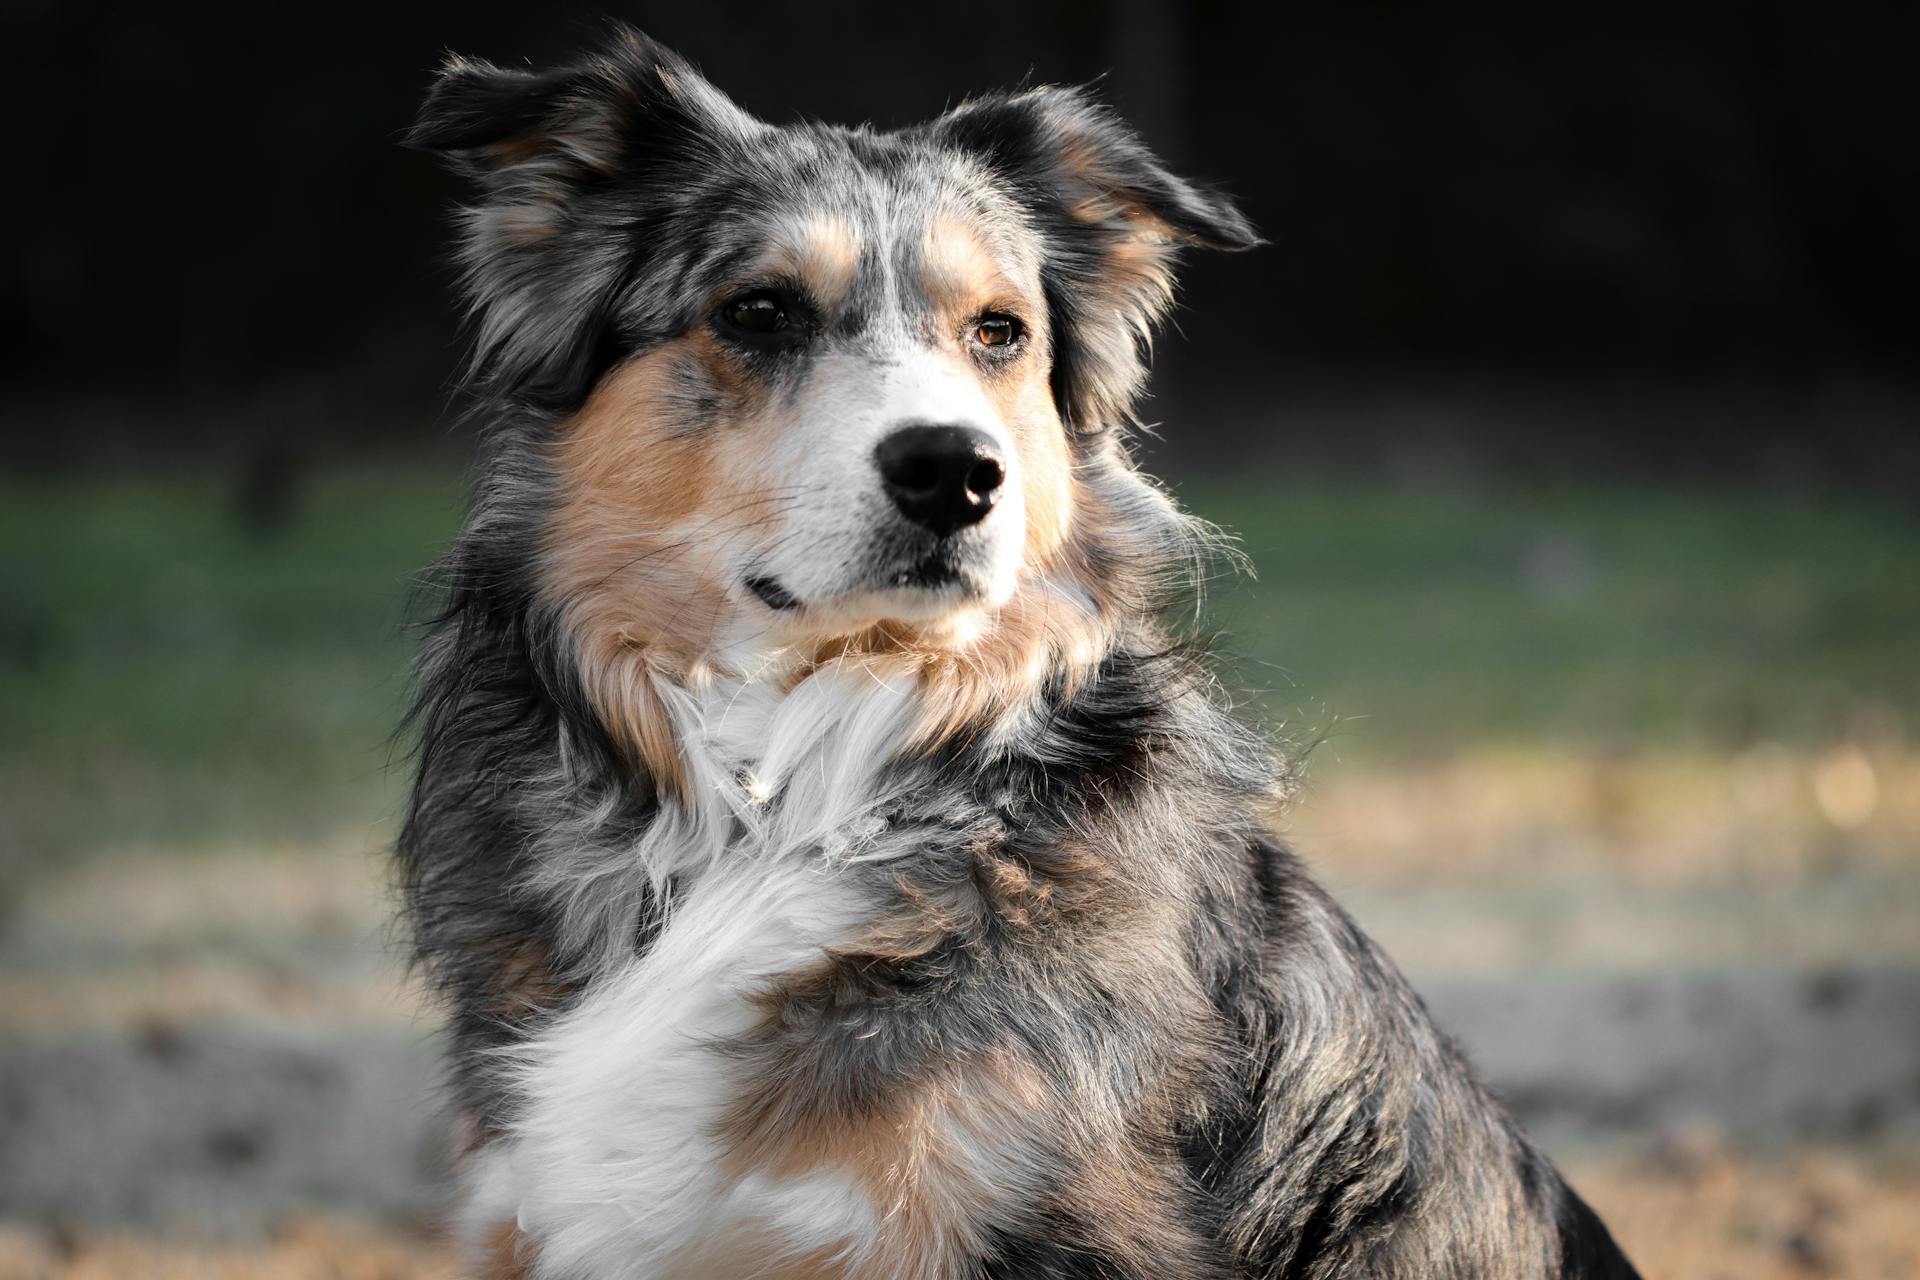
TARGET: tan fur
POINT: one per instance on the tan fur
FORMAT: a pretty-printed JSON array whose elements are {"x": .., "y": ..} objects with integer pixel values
[
  {"x": 964, "y": 278},
  {"x": 505, "y": 1255},
  {"x": 524, "y": 982},
  {"x": 1055, "y": 627},
  {"x": 644, "y": 504},
  {"x": 1143, "y": 262},
  {"x": 961, "y": 276},
  {"x": 1036, "y": 635},
  {"x": 932, "y": 1158},
  {"x": 647, "y": 500},
  {"x": 820, "y": 251},
  {"x": 945, "y": 1154},
  {"x": 1140, "y": 255},
  {"x": 1104, "y": 197}
]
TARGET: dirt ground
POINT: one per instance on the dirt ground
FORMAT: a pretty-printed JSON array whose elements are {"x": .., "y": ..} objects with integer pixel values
[
  {"x": 1684, "y": 1211},
  {"x": 211, "y": 1064},
  {"x": 1688, "y": 1212}
]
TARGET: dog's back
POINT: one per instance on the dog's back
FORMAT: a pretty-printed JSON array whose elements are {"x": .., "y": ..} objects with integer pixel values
[{"x": 832, "y": 867}]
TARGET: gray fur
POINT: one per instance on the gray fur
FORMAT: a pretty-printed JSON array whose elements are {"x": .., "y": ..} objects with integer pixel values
[{"x": 1238, "y": 1083}]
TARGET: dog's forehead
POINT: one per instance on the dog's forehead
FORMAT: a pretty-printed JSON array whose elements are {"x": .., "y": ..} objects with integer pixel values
[{"x": 851, "y": 208}]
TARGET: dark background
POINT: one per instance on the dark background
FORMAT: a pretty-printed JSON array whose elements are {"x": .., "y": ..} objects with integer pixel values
[{"x": 1677, "y": 240}]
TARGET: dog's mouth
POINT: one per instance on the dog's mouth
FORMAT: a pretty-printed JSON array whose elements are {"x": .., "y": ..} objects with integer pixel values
[
  {"x": 933, "y": 572},
  {"x": 770, "y": 593},
  {"x": 937, "y": 574}
]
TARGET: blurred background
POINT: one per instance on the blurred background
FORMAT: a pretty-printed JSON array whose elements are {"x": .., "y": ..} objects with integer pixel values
[{"x": 1569, "y": 421}]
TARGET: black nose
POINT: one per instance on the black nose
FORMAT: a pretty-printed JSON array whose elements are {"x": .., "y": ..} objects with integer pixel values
[{"x": 941, "y": 478}]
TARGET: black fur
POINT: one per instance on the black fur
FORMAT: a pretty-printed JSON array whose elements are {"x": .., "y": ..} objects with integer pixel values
[{"x": 1241, "y": 1084}]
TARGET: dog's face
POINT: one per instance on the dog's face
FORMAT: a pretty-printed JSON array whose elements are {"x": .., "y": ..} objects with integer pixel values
[
  {"x": 792, "y": 386},
  {"x": 851, "y": 423}
]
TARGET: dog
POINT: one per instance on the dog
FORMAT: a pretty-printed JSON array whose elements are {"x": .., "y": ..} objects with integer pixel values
[{"x": 832, "y": 864}]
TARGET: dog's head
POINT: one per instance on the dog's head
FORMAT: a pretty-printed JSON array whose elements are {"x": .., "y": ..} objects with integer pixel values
[{"x": 808, "y": 386}]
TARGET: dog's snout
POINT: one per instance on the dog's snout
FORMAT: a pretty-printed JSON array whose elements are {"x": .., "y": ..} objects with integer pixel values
[{"x": 942, "y": 478}]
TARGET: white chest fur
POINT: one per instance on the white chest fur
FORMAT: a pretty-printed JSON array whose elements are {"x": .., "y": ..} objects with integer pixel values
[{"x": 612, "y": 1166}]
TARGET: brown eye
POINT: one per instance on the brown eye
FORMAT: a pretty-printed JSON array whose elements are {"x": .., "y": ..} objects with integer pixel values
[
  {"x": 996, "y": 331},
  {"x": 756, "y": 313}
]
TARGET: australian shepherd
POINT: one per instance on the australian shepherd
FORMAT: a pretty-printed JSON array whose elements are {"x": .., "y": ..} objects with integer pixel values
[{"x": 832, "y": 865}]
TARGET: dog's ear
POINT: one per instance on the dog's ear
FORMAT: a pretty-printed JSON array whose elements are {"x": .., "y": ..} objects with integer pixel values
[
  {"x": 1113, "y": 218},
  {"x": 629, "y": 98},
  {"x": 543, "y": 254},
  {"x": 475, "y": 110}
]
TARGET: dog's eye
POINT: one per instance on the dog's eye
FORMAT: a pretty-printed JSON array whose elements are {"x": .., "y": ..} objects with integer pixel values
[
  {"x": 760, "y": 312},
  {"x": 996, "y": 331}
]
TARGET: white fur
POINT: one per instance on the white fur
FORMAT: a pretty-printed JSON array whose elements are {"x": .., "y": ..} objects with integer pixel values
[
  {"x": 834, "y": 530},
  {"x": 611, "y": 1164}
]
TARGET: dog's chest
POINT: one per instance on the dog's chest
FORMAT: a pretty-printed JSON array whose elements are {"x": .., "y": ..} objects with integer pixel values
[{"x": 616, "y": 1161}]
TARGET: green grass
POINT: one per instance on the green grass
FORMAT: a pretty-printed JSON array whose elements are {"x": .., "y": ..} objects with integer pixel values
[
  {"x": 167, "y": 679},
  {"x": 1604, "y": 617}
]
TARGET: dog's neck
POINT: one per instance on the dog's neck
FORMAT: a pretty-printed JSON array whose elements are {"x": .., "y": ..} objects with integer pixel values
[
  {"x": 772, "y": 768},
  {"x": 787, "y": 757}
]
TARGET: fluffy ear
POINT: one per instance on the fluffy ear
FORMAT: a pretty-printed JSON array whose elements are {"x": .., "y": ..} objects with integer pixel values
[
  {"x": 1113, "y": 218},
  {"x": 543, "y": 254},
  {"x": 476, "y": 110}
]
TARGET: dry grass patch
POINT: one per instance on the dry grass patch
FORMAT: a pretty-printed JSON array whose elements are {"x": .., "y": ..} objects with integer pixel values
[
  {"x": 1686, "y": 1212},
  {"x": 1708, "y": 1215},
  {"x": 302, "y": 1249},
  {"x": 1659, "y": 819}
]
